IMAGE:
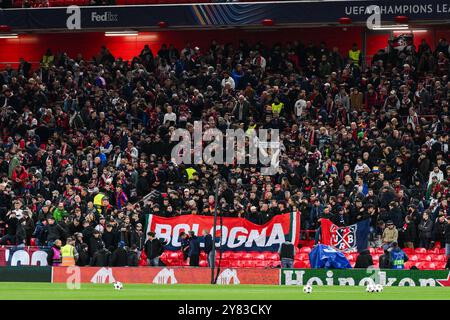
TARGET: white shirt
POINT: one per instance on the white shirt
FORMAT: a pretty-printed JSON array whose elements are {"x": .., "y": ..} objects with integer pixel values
[
  {"x": 262, "y": 62},
  {"x": 439, "y": 176},
  {"x": 359, "y": 168},
  {"x": 300, "y": 105},
  {"x": 170, "y": 117},
  {"x": 230, "y": 80},
  {"x": 18, "y": 212}
]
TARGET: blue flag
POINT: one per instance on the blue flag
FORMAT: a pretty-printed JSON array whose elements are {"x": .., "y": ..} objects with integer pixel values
[{"x": 322, "y": 256}]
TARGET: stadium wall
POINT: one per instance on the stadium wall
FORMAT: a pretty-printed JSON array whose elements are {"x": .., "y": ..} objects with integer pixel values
[
  {"x": 32, "y": 46},
  {"x": 299, "y": 277}
]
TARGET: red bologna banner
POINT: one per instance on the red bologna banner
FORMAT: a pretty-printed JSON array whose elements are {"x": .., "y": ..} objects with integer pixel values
[
  {"x": 235, "y": 234},
  {"x": 167, "y": 275}
]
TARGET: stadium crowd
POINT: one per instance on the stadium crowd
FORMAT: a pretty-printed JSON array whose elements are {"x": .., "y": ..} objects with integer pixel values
[{"x": 84, "y": 140}]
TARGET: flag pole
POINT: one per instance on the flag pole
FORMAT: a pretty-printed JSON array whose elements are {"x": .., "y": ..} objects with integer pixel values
[{"x": 213, "y": 262}]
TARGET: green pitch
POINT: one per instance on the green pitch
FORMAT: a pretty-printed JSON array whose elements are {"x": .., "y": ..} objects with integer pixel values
[{"x": 58, "y": 291}]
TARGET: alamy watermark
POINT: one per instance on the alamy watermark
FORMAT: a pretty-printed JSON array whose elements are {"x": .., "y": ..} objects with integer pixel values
[{"x": 212, "y": 146}]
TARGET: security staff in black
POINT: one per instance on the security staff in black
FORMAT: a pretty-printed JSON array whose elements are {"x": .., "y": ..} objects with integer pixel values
[{"x": 287, "y": 253}]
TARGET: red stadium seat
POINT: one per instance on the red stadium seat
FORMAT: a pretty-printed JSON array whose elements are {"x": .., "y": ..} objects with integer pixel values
[
  {"x": 434, "y": 250},
  {"x": 223, "y": 263},
  {"x": 414, "y": 257},
  {"x": 426, "y": 265},
  {"x": 409, "y": 264},
  {"x": 439, "y": 258},
  {"x": 372, "y": 250},
  {"x": 272, "y": 256},
  {"x": 440, "y": 265},
  {"x": 420, "y": 250},
  {"x": 275, "y": 264},
  {"x": 408, "y": 251},
  {"x": 375, "y": 257},
  {"x": 203, "y": 263},
  {"x": 442, "y": 251},
  {"x": 174, "y": 254},
  {"x": 302, "y": 256},
  {"x": 249, "y": 256},
  {"x": 235, "y": 256},
  {"x": 259, "y": 263},
  {"x": 379, "y": 250},
  {"x": 259, "y": 256},
  {"x": 425, "y": 257},
  {"x": 226, "y": 255},
  {"x": 305, "y": 249}
]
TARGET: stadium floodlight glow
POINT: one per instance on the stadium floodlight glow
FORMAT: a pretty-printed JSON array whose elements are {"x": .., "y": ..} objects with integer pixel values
[
  {"x": 392, "y": 27},
  {"x": 9, "y": 36},
  {"x": 121, "y": 33}
]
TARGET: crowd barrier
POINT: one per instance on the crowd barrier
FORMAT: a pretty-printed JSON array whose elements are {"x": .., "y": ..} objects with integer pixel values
[{"x": 226, "y": 276}]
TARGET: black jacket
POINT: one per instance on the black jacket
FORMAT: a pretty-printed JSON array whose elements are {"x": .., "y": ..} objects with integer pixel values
[
  {"x": 385, "y": 261},
  {"x": 425, "y": 229},
  {"x": 110, "y": 239},
  {"x": 94, "y": 245},
  {"x": 153, "y": 248},
  {"x": 53, "y": 232},
  {"x": 132, "y": 259},
  {"x": 447, "y": 233},
  {"x": 137, "y": 239},
  {"x": 287, "y": 250},
  {"x": 101, "y": 258},
  {"x": 194, "y": 247},
  {"x": 119, "y": 258},
  {"x": 439, "y": 231},
  {"x": 409, "y": 234},
  {"x": 83, "y": 258},
  {"x": 208, "y": 243},
  {"x": 364, "y": 260}
]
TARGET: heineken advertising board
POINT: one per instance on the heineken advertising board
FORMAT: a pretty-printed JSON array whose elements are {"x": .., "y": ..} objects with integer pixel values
[{"x": 362, "y": 277}]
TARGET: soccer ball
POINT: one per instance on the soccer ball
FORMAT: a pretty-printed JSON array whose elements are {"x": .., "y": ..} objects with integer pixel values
[
  {"x": 378, "y": 288},
  {"x": 370, "y": 288},
  {"x": 307, "y": 289},
  {"x": 118, "y": 285}
]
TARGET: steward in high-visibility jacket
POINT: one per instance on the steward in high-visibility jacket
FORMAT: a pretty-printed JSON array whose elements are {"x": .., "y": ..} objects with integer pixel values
[
  {"x": 68, "y": 253},
  {"x": 190, "y": 173},
  {"x": 354, "y": 54}
]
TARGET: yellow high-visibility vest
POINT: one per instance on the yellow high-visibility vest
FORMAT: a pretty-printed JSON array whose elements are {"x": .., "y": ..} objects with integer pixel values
[
  {"x": 47, "y": 60},
  {"x": 190, "y": 173},
  {"x": 250, "y": 130},
  {"x": 68, "y": 255},
  {"x": 277, "y": 107},
  {"x": 354, "y": 55}
]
